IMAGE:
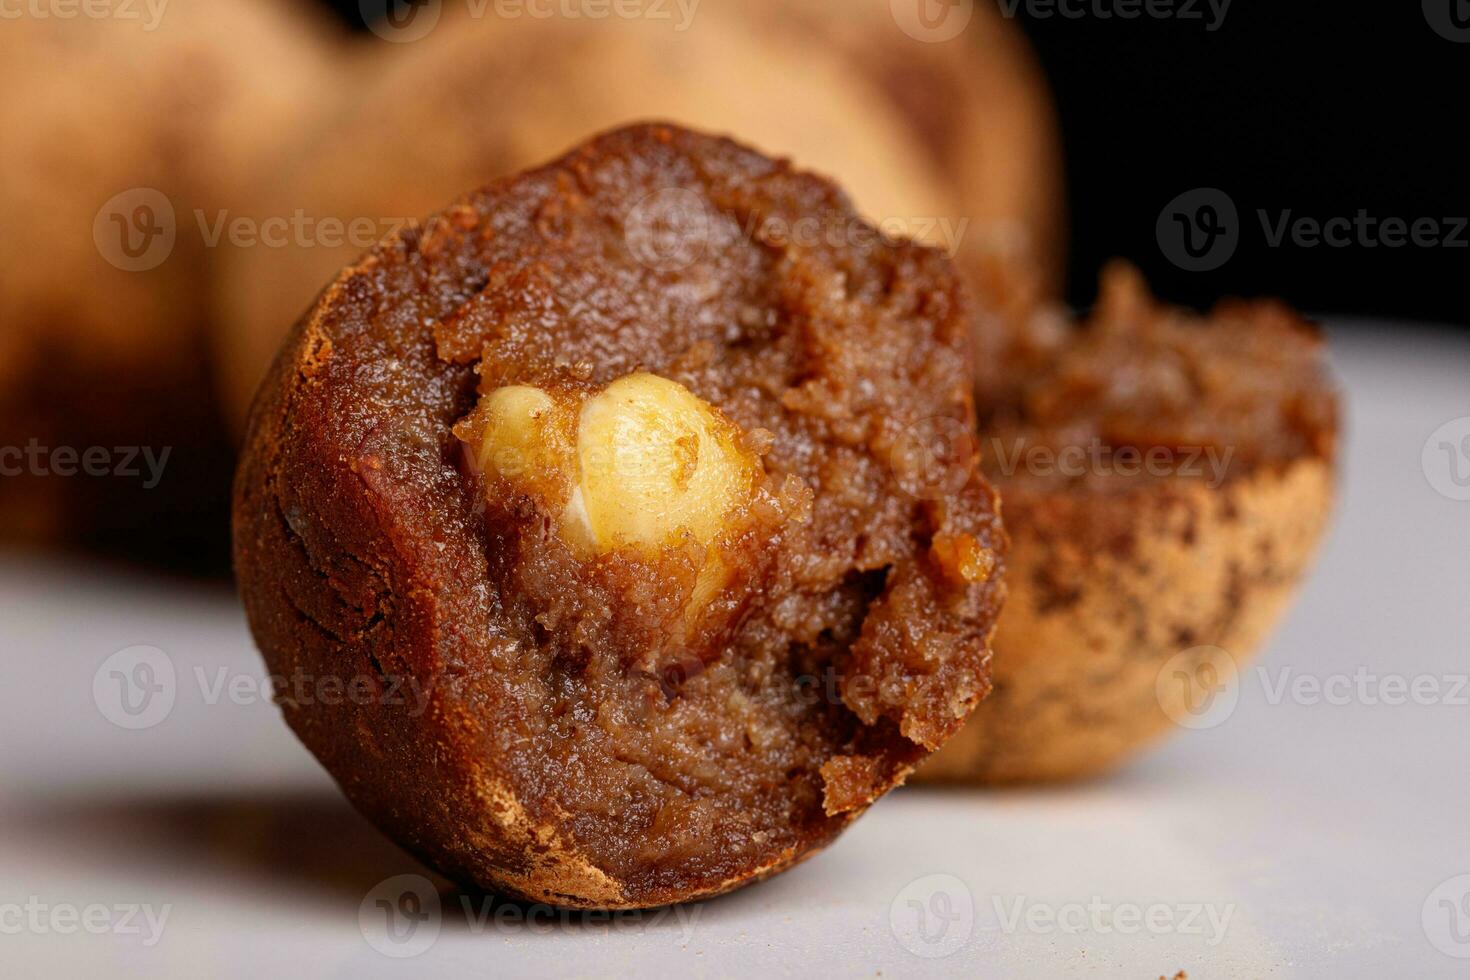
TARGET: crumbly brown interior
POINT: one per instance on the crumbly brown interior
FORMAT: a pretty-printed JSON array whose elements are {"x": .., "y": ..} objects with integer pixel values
[
  {"x": 1242, "y": 388},
  {"x": 831, "y": 352},
  {"x": 854, "y": 640}
]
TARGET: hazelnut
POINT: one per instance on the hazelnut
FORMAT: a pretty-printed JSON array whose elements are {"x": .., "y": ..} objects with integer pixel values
[
  {"x": 643, "y": 465},
  {"x": 657, "y": 463},
  {"x": 523, "y": 435}
]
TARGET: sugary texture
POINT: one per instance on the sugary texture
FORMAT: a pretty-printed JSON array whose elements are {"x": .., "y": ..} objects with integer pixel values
[
  {"x": 494, "y": 95},
  {"x": 102, "y": 116},
  {"x": 606, "y": 728},
  {"x": 1199, "y": 482}
]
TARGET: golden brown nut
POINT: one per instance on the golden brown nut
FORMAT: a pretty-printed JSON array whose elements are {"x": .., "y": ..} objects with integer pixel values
[
  {"x": 491, "y": 95},
  {"x": 1132, "y": 557},
  {"x": 643, "y": 463},
  {"x": 124, "y": 136}
]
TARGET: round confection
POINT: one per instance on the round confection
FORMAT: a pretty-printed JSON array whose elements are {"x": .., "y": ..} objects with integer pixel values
[
  {"x": 1166, "y": 480},
  {"x": 650, "y": 535}
]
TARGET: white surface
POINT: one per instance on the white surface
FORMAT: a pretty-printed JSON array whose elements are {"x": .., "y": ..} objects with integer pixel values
[{"x": 1322, "y": 830}]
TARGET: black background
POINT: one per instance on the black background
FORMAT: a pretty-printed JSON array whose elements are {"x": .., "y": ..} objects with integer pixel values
[{"x": 1322, "y": 109}]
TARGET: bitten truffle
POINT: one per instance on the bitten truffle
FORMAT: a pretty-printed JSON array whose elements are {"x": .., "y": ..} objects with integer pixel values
[
  {"x": 659, "y": 506},
  {"x": 1166, "y": 479}
]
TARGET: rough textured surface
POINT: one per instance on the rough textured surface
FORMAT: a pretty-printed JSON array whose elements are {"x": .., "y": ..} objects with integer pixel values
[
  {"x": 550, "y": 758},
  {"x": 1112, "y": 572},
  {"x": 494, "y": 95},
  {"x": 96, "y": 355}
]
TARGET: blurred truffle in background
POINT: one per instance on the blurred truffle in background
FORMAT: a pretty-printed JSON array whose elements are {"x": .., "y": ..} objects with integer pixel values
[
  {"x": 950, "y": 141},
  {"x": 1167, "y": 478},
  {"x": 123, "y": 137},
  {"x": 975, "y": 101}
]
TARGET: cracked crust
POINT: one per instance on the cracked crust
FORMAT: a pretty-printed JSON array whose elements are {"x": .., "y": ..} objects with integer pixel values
[
  {"x": 366, "y": 551},
  {"x": 1112, "y": 575}
]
